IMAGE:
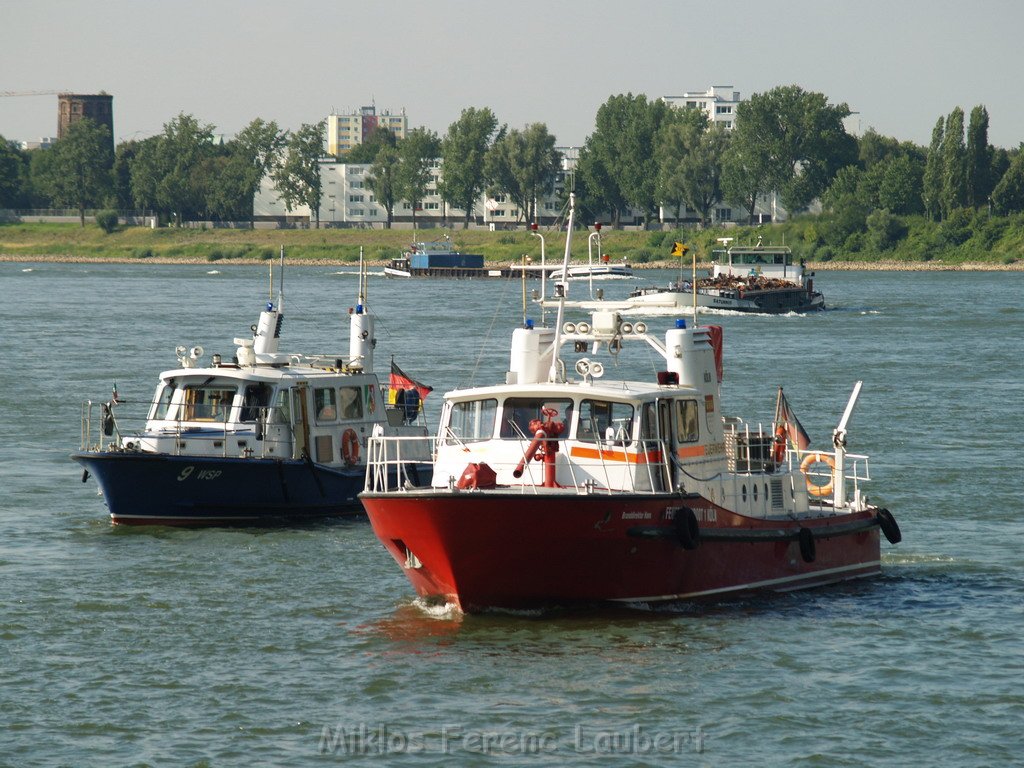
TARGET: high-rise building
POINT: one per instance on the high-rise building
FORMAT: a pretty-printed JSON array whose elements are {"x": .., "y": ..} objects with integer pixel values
[
  {"x": 345, "y": 131},
  {"x": 718, "y": 102}
]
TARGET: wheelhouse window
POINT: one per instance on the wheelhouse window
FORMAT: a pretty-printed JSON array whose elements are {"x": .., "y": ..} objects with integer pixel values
[
  {"x": 518, "y": 412},
  {"x": 162, "y": 404},
  {"x": 281, "y": 413},
  {"x": 471, "y": 420},
  {"x": 325, "y": 404},
  {"x": 255, "y": 400},
  {"x": 687, "y": 423},
  {"x": 605, "y": 421},
  {"x": 207, "y": 402},
  {"x": 351, "y": 399}
]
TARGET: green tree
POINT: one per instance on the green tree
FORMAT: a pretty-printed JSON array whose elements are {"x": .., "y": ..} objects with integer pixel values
[
  {"x": 874, "y": 148},
  {"x": 1008, "y": 195},
  {"x": 226, "y": 183},
  {"x": 298, "y": 178},
  {"x": 166, "y": 173},
  {"x": 931, "y": 182},
  {"x": 622, "y": 150},
  {"x": 121, "y": 174},
  {"x": 36, "y": 188},
  {"x": 383, "y": 180},
  {"x": 702, "y": 171},
  {"x": 747, "y": 173},
  {"x": 417, "y": 153},
  {"x": 464, "y": 152},
  {"x": 690, "y": 155},
  {"x": 802, "y": 138},
  {"x": 899, "y": 190},
  {"x": 12, "y": 174},
  {"x": 597, "y": 191},
  {"x": 1000, "y": 164},
  {"x": 883, "y": 229},
  {"x": 979, "y": 158},
  {"x": 954, "y": 164},
  {"x": 256, "y": 150},
  {"x": 523, "y": 165},
  {"x": 846, "y": 206},
  {"x": 80, "y": 167}
]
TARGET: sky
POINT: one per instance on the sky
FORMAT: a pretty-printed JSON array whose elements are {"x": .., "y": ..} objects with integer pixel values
[{"x": 899, "y": 64}]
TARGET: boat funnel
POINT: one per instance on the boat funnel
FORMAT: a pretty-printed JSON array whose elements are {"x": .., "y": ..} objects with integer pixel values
[
  {"x": 361, "y": 340},
  {"x": 268, "y": 332}
]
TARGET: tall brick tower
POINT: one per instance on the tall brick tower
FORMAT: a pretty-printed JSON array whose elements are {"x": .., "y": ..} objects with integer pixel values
[{"x": 72, "y": 107}]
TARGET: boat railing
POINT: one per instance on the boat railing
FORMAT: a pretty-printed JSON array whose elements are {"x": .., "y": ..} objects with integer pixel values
[
  {"x": 855, "y": 470},
  {"x": 641, "y": 467},
  {"x": 392, "y": 462},
  {"x": 124, "y": 426}
]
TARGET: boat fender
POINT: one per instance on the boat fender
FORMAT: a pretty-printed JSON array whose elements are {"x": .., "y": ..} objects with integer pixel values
[
  {"x": 807, "y": 548},
  {"x": 889, "y": 526},
  {"x": 687, "y": 528},
  {"x": 350, "y": 446},
  {"x": 814, "y": 458},
  {"x": 85, "y": 475}
]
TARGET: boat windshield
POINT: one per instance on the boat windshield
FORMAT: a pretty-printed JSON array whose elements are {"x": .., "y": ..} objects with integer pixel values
[
  {"x": 518, "y": 412},
  {"x": 471, "y": 420},
  {"x": 762, "y": 258},
  {"x": 208, "y": 402},
  {"x": 603, "y": 420},
  {"x": 256, "y": 399},
  {"x": 162, "y": 403}
]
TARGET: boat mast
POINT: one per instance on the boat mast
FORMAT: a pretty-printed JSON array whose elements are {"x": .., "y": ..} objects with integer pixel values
[
  {"x": 280, "y": 290},
  {"x": 555, "y": 360}
]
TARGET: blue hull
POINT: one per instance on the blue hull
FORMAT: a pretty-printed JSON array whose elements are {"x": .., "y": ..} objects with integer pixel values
[{"x": 159, "y": 489}]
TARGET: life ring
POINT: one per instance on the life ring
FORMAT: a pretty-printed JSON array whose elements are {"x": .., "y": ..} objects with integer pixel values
[
  {"x": 350, "y": 446},
  {"x": 805, "y": 536},
  {"x": 889, "y": 526},
  {"x": 815, "y": 458},
  {"x": 779, "y": 449},
  {"x": 687, "y": 529}
]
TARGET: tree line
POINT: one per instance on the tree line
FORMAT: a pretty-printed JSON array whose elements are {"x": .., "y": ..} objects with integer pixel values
[{"x": 642, "y": 154}]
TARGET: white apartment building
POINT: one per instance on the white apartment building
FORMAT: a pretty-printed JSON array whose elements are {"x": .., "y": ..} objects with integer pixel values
[
  {"x": 348, "y": 201},
  {"x": 718, "y": 102},
  {"x": 345, "y": 131}
]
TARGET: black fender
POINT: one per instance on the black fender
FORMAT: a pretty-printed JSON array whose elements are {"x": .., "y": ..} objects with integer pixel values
[
  {"x": 687, "y": 528},
  {"x": 807, "y": 547},
  {"x": 889, "y": 527}
]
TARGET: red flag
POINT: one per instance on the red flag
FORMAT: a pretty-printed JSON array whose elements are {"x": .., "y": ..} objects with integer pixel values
[
  {"x": 399, "y": 381},
  {"x": 785, "y": 417}
]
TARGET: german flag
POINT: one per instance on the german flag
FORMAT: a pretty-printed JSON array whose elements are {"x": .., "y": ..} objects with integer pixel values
[
  {"x": 678, "y": 249},
  {"x": 785, "y": 418},
  {"x": 399, "y": 381}
]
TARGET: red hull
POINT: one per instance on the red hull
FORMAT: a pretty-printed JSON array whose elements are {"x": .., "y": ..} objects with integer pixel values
[{"x": 501, "y": 549}]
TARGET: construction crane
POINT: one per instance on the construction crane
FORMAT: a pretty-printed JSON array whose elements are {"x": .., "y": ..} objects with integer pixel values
[{"x": 31, "y": 93}]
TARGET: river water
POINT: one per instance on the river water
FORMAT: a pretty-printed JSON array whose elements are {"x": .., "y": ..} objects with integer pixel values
[{"x": 305, "y": 646}]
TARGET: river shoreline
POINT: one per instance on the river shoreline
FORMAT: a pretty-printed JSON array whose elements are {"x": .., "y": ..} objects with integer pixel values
[{"x": 830, "y": 266}]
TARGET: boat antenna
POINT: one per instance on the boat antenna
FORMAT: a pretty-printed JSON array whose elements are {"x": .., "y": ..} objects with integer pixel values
[
  {"x": 553, "y": 373},
  {"x": 362, "y": 278},
  {"x": 280, "y": 290},
  {"x": 694, "y": 251},
  {"x": 522, "y": 276}
]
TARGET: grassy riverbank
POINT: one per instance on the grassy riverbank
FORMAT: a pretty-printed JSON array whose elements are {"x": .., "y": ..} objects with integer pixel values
[{"x": 64, "y": 242}]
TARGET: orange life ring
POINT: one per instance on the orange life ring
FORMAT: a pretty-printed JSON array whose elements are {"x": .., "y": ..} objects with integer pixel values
[
  {"x": 816, "y": 458},
  {"x": 350, "y": 446},
  {"x": 779, "y": 449}
]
